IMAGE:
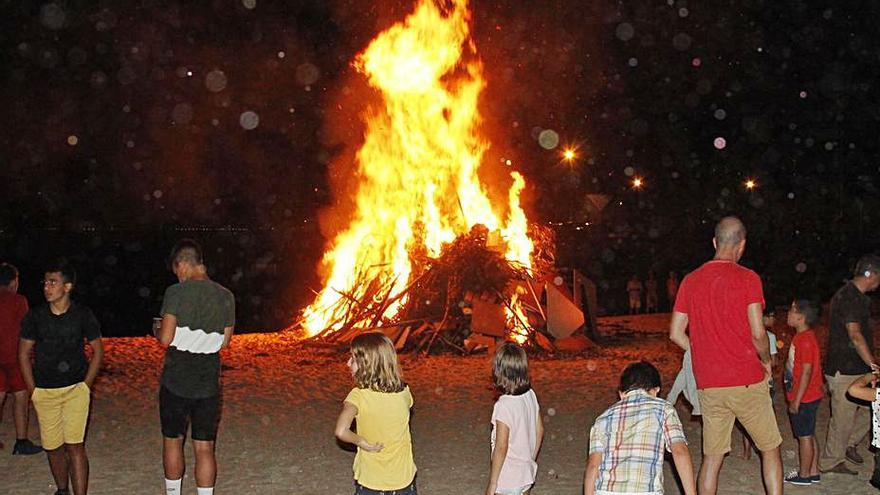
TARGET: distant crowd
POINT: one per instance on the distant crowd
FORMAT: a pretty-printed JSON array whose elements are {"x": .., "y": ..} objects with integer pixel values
[
  {"x": 719, "y": 319},
  {"x": 637, "y": 292}
]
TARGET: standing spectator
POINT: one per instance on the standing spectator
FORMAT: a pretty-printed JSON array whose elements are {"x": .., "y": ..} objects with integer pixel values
[
  {"x": 198, "y": 315},
  {"x": 721, "y": 303},
  {"x": 850, "y": 355},
  {"x": 61, "y": 378},
  {"x": 634, "y": 289},
  {"x": 671, "y": 289},
  {"x": 13, "y": 307},
  {"x": 628, "y": 440},
  {"x": 517, "y": 428},
  {"x": 380, "y": 404},
  {"x": 803, "y": 390},
  {"x": 651, "y": 294}
]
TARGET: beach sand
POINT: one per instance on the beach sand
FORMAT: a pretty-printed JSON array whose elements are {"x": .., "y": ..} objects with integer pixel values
[{"x": 280, "y": 403}]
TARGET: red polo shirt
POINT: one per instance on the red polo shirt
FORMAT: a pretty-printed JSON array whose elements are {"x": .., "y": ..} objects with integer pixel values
[{"x": 716, "y": 297}]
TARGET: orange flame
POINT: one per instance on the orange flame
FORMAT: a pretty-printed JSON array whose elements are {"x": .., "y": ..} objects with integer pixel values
[{"x": 418, "y": 163}]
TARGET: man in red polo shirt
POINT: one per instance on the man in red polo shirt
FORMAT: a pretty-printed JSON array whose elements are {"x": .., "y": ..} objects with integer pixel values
[{"x": 722, "y": 303}]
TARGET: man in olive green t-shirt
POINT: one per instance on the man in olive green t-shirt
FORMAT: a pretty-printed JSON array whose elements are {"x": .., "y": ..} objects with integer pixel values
[{"x": 198, "y": 316}]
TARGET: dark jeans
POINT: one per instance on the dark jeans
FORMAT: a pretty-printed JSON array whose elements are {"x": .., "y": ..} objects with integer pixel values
[{"x": 409, "y": 490}]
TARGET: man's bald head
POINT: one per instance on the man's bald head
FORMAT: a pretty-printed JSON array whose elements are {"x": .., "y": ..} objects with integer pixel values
[{"x": 729, "y": 232}]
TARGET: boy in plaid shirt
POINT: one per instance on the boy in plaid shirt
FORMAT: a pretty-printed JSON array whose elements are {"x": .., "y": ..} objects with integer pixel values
[{"x": 627, "y": 441}]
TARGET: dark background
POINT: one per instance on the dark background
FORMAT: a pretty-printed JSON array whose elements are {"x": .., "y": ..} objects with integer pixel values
[{"x": 641, "y": 88}]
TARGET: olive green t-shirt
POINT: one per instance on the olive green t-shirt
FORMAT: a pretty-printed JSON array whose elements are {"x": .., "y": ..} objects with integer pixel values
[{"x": 203, "y": 308}]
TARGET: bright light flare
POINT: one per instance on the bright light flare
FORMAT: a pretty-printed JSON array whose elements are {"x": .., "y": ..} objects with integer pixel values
[
  {"x": 569, "y": 155},
  {"x": 638, "y": 183},
  {"x": 751, "y": 184}
]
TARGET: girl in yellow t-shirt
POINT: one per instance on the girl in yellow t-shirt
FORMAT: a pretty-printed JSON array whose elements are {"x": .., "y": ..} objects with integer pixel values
[{"x": 381, "y": 402}]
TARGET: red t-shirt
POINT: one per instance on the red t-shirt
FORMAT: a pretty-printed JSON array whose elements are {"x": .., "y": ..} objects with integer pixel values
[
  {"x": 804, "y": 349},
  {"x": 13, "y": 307},
  {"x": 715, "y": 298}
]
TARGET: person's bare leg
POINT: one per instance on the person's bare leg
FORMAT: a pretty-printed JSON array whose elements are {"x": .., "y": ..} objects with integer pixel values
[
  {"x": 771, "y": 468},
  {"x": 206, "y": 463},
  {"x": 20, "y": 414},
  {"x": 59, "y": 466},
  {"x": 709, "y": 470},
  {"x": 172, "y": 458},
  {"x": 807, "y": 456},
  {"x": 79, "y": 467},
  {"x": 814, "y": 464}
]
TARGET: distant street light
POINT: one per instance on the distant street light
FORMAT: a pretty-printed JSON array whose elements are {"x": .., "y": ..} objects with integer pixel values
[
  {"x": 751, "y": 184},
  {"x": 569, "y": 155},
  {"x": 638, "y": 182}
]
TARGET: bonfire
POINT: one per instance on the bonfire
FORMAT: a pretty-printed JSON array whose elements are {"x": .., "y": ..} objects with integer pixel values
[{"x": 428, "y": 236}]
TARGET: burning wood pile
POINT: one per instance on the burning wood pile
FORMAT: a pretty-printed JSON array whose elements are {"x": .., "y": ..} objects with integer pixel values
[
  {"x": 432, "y": 253},
  {"x": 463, "y": 300}
]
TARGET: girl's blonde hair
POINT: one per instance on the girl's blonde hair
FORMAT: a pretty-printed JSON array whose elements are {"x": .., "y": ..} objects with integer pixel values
[
  {"x": 510, "y": 369},
  {"x": 376, "y": 361}
]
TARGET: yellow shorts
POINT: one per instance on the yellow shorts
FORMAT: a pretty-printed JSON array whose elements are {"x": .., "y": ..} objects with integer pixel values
[
  {"x": 750, "y": 404},
  {"x": 62, "y": 414}
]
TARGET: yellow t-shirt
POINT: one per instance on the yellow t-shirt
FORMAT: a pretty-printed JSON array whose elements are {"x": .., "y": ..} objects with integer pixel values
[{"x": 384, "y": 418}]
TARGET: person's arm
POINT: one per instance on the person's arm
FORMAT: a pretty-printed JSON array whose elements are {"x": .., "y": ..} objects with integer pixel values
[
  {"x": 863, "y": 388},
  {"x": 539, "y": 436},
  {"x": 677, "y": 330},
  {"x": 759, "y": 335},
  {"x": 682, "y": 458},
  {"x": 227, "y": 337},
  {"x": 499, "y": 453},
  {"x": 343, "y": 429},
  {"x": 806, "y": 370},
  {"x": 592, "y": 473},
  {"x": 25, "y": 346},
  {"x": 167, "y": 329},
  {"x": 95, "y": 363},
  {"x": 854, "y": 330}
]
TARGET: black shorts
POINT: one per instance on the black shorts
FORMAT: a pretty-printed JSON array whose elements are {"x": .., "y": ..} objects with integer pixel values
[
  {"x": 803, "y": 424},
  {"x": 176, "y": 412}
]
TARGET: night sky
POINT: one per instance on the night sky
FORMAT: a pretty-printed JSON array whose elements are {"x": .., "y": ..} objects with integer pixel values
[{"x": 145, "y": 118}]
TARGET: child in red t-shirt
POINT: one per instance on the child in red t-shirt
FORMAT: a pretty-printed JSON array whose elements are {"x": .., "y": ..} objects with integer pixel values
[{"x": 803, "y": 390}]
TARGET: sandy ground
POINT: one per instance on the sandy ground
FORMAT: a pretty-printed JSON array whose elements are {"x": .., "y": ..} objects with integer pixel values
[{"x": 280, "y": 404}]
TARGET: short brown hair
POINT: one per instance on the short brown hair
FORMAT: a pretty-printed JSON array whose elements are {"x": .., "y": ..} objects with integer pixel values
[
  {"x": 376, "y": 361},
  {"x": 510, "y": 369}
]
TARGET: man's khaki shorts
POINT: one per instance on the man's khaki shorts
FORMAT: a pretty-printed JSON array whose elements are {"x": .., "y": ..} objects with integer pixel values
[
  {"x": 62, "y": 414},
  {"x": 750, "y": 404}
]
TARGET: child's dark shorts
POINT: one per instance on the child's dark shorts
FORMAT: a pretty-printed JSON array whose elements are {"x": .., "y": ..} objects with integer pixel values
[
  {"x": 803, "y": 424},
  {"x": 177, "y": 412}
]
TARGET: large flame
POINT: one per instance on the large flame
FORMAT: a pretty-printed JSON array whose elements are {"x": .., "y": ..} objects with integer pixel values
[{"x": 417, "y": 169}]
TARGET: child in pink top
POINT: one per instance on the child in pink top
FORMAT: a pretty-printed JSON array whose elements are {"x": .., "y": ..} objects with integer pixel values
[{"x": 517, "y": 429}]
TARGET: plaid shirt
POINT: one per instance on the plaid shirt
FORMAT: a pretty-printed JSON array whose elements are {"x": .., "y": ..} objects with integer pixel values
[{"x": 631, "y": 436}]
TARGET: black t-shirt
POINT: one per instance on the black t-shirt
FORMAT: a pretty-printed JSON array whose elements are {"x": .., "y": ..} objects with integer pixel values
[
  {"x": 59, "y": 349},
  {"x": 849, "y": 305}
]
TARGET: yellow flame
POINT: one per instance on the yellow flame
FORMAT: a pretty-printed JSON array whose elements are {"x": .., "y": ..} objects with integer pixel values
[{"x": 419, "y": 162}]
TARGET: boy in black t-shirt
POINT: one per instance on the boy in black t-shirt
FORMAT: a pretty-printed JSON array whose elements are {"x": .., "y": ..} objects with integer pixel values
[
  {"x": 197, "y": 321},
  {"x": 61, "y": 377}
]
